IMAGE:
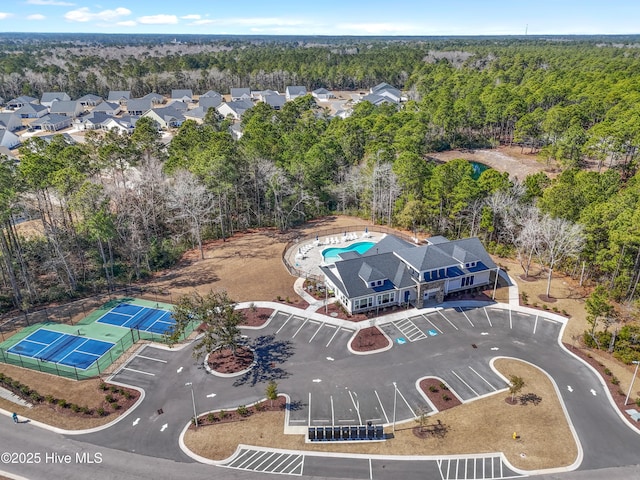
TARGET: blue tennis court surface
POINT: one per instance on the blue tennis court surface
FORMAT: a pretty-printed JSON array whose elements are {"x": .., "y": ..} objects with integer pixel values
[
  {"x": 141, "y": 318},
  {"x": 62, "y": 348}
]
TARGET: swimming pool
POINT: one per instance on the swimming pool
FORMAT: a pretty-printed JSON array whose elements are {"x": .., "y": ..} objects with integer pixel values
[{"x": 330, "y": 255}]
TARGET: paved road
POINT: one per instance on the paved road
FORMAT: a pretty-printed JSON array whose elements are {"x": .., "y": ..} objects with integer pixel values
[{"x": 329, "y": 385}]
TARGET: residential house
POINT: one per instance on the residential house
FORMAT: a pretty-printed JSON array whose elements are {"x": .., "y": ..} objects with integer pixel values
[
  {"x": 6, "y": 152},
  {"x": 8, "y": 139},
  {"x": 49, "y": 138},
  {"x": 139, "y": 106},
  {"x": 276, "y": 101},
  {"x": 110, "y": 108},
  {"x": 89, "y": 100},
  {"x": 184, "y": 95},
  {"x": 322, "y": 94},
  {"x": 211, "y": 101},
  {"x": 377, "y": 100},
  {"x": 235, "y": 129},
  {"x": 119, "y": 96},
  {"x": 196, "y": 114},
  {"x": 10, "y": 121},
  {"x": 294, "y": 92},
  {"x": 126, "y": 124},
  {"x": 396, "y": 272},
  {"x": 166, "y": 117},
  {"x": 178, "y": 105},
  {"x": 49, "y": 97},
  {"x": 260, "y": 95},
  {"x": 388, "y": 91},
  {"x": 71, "y": 109},
  {"x": 234, "y": 109},
  {"x": 20, "y": 102},
  {"x": 51, "y": 122},
  {"x": 32, "y": 110},
  {"x": 156, "y": 98},
  {"x": 91, "y": 121},
  {"x": 240, "y": 94}
]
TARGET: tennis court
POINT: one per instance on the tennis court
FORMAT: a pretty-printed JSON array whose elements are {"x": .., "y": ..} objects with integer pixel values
[
  {"x": 65, "y": 349},
  {"x": 146, "y": 319}
]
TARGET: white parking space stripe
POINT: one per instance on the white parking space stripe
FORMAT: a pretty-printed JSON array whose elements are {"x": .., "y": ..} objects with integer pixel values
[
  {"x": 332, "y": 336},
  {"x": 286, "y": 457},
  {"x": 442, "y": 315},
  {"x": 381, "y": 406},
  {"x": 485, "y": 380},
  {"x": 300, "y": 328},
  {"x": 432, "y": 324},
  {"x": 468, "y": 386},
  {"x": 487, "y": 314},
  {"x": 405, "y": 400},
  {"x": 316, "y": 332},
  {"x": 356, "y": 406},
  {"x": 252, "y": 453},
  {"x": 278, "y": 457},
  {"x": 535, "y": 325},
  {"x": 285, "y": 322},
  {"x": 510, "y": 319},
  {"x": 139, "y": 371},
  {"x": 467, "y": 317},
  {"x": 284, "y": 469},
  {"x": 448, "y": 467},
  {"x": 151, "y": 358},
  {"x": 265, "y": 460}
]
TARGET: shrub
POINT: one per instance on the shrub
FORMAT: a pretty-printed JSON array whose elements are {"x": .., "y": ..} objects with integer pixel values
[
  {"x": 223, "y": 414},
  {"x": 535, "y": 304},
  {"x": 279, "y": 298},
  {"x": 433, "y": 388},
  {"x": 446, "y": 397},
  {"x": 242, "y": 411},
  {"x": 443, "y": 386},
  {"x": 35, "y": 396},
  {"x": 564, "y": 312},
  {"x": 638, "y": 402},
  {"x": 607, "y": 372},
  {"x": 615, "y": 380},
  {"x": 127, "y": 394},
  {"x": 50, "y": 399},
  {"x": 25, "y": 390},
  {"x": 211, "y": 417},
  {"x": 555, "y": 309},
  {"x": 101, "y": 411},
  {"x": 545, "y": 307},
  {"x": 75, "y": 408},
  {"x": 86, "y": 410},
  {"x": 287, "y": 300},
  {"x": 103, "y": 386},
  {"x": 109, "y": 398},
  {"x": 260, "y": 407},
  {"x": 525, "y": 298},
  {"x": 113, "y": 389},
  {"x": 63, "y": 403}
]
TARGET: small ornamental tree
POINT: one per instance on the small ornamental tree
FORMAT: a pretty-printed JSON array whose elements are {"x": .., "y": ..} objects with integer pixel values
[
  {"x": 272, "y": 391},
  {"x": 516, "y": 384},
  {"x": 217, "y": 313}
]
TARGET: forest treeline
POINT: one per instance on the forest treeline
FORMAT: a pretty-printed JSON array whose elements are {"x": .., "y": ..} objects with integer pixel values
[{"x": 118, "y": 207}]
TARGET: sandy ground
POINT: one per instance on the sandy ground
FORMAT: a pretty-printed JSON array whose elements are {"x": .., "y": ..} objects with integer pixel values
[
  {"x": 482, "y": 426},
  {"x": 504, "y": 159}
]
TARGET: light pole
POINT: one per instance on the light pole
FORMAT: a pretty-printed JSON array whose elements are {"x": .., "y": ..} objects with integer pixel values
[
  {"x": 193, "y": 400},
  {"x": 395, "y": 402},
  {"x": 495, "y": 284},
  {"x": 635, "y": 372}
]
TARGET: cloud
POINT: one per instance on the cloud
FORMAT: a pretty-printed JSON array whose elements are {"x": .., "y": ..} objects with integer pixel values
[
  {"x": 36, "y": 16},
  {"x": 4, "y": 15},
  {"x": 85, "y": 15},
  {"x": 158, "y": 20},
  {"x": 191, "y": 17},
  {"x": 50, "y": 2}
]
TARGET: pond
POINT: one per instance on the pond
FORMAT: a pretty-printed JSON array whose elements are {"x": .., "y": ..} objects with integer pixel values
[{"x": 478, "y": 168}]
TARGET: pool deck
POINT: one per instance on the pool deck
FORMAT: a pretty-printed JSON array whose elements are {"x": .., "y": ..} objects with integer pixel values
[{"x": 311, "y": 261}]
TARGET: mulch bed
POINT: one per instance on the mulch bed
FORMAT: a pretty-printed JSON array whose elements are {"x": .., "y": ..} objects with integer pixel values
[
  {"x": 223, "y": 360},
  {"x": 616, "y": 392},
  {"x": 369, "y": 339},
  {"x": 116, "y": 399},
  {"x": 441, "y": 397},
  {"x": 296, "y": 302},
  {"x": 547, "y": 299},
  {"x": 255, "y": 317},
  {"x": 241, "y": 413}
]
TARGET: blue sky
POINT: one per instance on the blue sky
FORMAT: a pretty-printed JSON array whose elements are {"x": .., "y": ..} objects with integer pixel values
[{"x": 325, "y": 17}]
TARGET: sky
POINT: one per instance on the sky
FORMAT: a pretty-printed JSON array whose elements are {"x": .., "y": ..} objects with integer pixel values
[{"x": 325, "y": 17}]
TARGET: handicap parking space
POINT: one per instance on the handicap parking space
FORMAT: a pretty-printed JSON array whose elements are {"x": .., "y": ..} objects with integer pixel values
[
  {"x": 267, "y": 461},
  {"x": 409, "y": 330}
]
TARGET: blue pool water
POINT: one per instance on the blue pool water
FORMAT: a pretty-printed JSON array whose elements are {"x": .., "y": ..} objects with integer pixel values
[{"x": 330, "y": 255}]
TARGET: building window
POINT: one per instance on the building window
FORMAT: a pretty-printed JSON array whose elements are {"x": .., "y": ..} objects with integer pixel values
[
  {"x": 386, "y": 298},
  {"x": 467, "y": 281},
  {"x": 379, "y": 282}
]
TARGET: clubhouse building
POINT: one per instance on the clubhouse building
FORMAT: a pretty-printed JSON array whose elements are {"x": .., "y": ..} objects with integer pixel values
[{"x": 396, "y": 272}]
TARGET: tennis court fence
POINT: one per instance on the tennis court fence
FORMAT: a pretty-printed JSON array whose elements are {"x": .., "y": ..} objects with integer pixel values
[
  {"x": 73, "y": 312},
  {"x": 105, "y": 365}
]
